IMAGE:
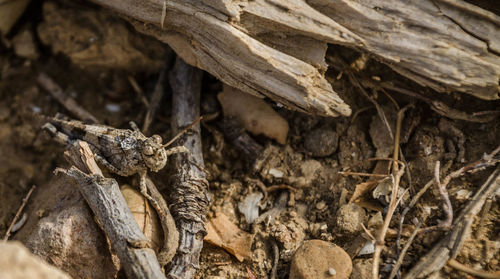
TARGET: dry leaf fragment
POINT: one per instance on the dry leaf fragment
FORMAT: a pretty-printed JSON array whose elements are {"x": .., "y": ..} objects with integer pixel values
[
  {"x": 144, "y": 215},
  {"x": 223, "y": 233},
  {"x": 253, "y": 113},
  {"x": 360, "y": 198},
  {"x": 361, "y": 189}
]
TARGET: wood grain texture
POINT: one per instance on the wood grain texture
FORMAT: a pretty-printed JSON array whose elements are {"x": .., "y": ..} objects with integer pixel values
[
  {"x": 276, "y": 48},
  {"x": 189, "y": 197}
]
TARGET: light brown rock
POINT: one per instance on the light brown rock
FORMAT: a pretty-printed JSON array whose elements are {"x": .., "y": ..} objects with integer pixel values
[
  {"x": 255, "y": 115},
  {"x": 17, "y": 262},
  {"x": 24, "y": 45},
  {"x": 320, "y": 259},
  {"x": 67, "y": 236}
]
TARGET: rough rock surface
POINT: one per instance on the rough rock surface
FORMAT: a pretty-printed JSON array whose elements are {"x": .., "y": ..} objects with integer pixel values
[
  {"x": 320, "y": 259},
  {"x": 67, "y": 236},
  {"x": 350, "y": 217},
  {"x": 17, "y": 262},
  {"x": 362, "y": 268}
]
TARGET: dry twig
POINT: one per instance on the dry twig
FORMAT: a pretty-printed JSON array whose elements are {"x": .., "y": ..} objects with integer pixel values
[
  {"x": 447, "y": 208},
  {"x": 69, "y": 103},
  {"x": 189, "y": 198},
  {"x": 276, "y": 258},
  {"x": 450, "y": 245},
  {"x": 487, "y": 160},
  {"x": 138, "y": 90},
  {"x": 479, "y": 273},
  {"x": 443, "y": 109},
  {"x": 156, "y": 97},
  {"x": 110, "y": 208},
  {"x": 396, "y": 178},
  {"x": 23, "y": 204},
  {"x": 399, "y": 262}
]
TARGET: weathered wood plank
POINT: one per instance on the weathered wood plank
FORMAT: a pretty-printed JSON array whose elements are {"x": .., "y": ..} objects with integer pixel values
[{"x": 446, "y": 45}]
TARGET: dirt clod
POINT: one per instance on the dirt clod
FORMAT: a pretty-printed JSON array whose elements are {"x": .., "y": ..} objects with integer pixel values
[
  {"x": 321, "y": 142},
  {"x": 319, "y": 259},
  {"x": 362, "y": 268},
  {"x": 350, "y": 217}
]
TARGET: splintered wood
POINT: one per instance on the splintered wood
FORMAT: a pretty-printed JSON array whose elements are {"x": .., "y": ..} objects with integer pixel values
[{"x": 277, "y": 48}]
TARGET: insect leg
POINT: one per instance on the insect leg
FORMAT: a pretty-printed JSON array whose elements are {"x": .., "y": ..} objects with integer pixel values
[
  {"x": 101, "y": 160},
  {"x": 143, "y": 187},
  {"x": 134, "y": 126},
  {"x": 177, "y": 149}
]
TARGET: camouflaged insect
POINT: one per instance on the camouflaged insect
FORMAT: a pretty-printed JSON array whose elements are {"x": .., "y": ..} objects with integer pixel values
[{"x": 122, "y": 151}]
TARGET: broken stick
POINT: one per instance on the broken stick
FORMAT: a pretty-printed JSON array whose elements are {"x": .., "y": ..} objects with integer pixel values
[
  {"x": 110, "y": 208},
  {"x": 156, "y": 97},
  {"x": 69, "y": 103},
  {"x": 189, "y": 198}
]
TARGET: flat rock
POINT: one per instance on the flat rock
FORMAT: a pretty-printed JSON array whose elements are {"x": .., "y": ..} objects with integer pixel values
[
  {"x": 254, "y": 114},
  {"x": 17, "y": 262},
  {"x": 320, "y": 259}
]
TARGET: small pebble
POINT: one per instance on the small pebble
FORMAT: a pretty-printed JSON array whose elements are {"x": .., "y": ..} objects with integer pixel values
[
  {"x": 320, "y": 205},
  {"x": 113, "y": 107},
  {"x": 368, "y": 249},
  {"x": 332, "y": 271},
  {"x": 276, "y": 173},
  {"x": 36, "y": 109}
]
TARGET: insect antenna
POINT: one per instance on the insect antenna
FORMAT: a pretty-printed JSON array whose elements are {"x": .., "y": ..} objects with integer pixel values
[{"x": 182, "y": 132}]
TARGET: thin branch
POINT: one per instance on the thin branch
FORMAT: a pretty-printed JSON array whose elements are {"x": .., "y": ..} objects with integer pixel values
[
  {"x": 447, "y": 208},
  {"x": 276, "y": 258},
  {"x": 362, "y": 174},
  {"x": 69, "y": 103},
  {"x": 450, "y": 245},
  {"x": 401, "y": 257},
  {"x": 380, "y": 240},
  {"x": 156, "y": 97},
  {"x": 189, "y": 197},
  {"x": 18, "y": 213},
  {"x": 396, "y": 178},
  {"x": 485, "y": 161},
  {"x": 479, "y": 273},
  {"x": 138, "y": 90}
]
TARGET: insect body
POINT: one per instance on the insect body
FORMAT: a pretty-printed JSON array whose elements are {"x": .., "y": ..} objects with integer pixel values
[{"x": 122, "y": 151}]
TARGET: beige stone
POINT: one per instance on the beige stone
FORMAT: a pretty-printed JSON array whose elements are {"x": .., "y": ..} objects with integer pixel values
[
  {"x": 320, "y": 259},
  {"x": 17, "y": 262}
]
